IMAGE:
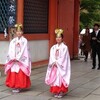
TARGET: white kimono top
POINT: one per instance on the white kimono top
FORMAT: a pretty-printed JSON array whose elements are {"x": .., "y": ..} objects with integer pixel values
[
  {"x": 59, "y": 67},
  {"x": 19, "y": 51}
]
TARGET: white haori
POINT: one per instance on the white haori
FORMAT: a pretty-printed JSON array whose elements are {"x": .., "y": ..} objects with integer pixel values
[
  {"x": 18, "y": 56},
  {"x": 56, "y": 75}
]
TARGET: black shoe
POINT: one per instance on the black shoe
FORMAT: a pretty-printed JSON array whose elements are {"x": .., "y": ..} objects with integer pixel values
[
  {"x": 98, "y": 68},
  {"x": 93, "y": 67},
  {"x": 85, "y": 60}
]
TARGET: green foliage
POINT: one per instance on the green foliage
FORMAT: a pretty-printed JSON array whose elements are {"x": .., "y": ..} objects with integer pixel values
[{"x": 89, "y": 13}]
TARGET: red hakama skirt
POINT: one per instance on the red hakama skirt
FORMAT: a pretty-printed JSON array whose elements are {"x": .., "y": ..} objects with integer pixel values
[
  {"x": 57, "y": 89},
  {"x": 17, "y": 80}
]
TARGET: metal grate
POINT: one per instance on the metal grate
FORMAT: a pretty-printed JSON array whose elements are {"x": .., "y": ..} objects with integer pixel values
[
  {"x": 36, "y": 16},
  {"x": 7, "y": 14},
  {"x": 3, "y": 14}
]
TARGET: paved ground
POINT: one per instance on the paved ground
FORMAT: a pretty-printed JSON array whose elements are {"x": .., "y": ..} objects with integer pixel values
[{"x": 85, "y": 85}]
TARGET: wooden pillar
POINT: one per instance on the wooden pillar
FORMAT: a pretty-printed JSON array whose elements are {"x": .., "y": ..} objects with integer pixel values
[
  {"x": 76, "y": 28},
  {"x": 66, "y": 22},
  {"x": 52, "y": 20},
  {"x": 20, "y": 11}
]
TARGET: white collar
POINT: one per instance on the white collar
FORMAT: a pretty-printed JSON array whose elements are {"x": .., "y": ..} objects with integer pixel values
[{"x": 96, "y": 32}]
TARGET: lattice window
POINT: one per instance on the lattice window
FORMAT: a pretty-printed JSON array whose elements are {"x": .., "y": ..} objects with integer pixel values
[
  {"x": 7, "y": 14},
  {"x": 36, "y": 16},
  {"x": 3, "y": 14}
]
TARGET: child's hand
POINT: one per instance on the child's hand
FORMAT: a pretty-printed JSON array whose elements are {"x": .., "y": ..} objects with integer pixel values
[
  {"x": 15, "y": 60},
  {"x": 54, "y": 64}
]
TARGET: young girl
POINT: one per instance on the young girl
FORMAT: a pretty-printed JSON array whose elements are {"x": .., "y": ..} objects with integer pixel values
[
  {"x": 18, "y": 63},
  {"x": 58, "y": 71}
]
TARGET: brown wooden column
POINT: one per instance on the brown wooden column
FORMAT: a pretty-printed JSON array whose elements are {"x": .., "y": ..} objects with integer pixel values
[
  {"x": 52, "y": 20},
  {"x": 66, "y": 22},
  {"x": 76, "y": 27},
  {"x": 20, "y": 11}
]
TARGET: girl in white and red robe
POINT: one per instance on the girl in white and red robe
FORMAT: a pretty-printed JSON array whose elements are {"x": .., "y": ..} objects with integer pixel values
[
  {"x": 58, "y": 71},
  {"x": 18, "y": 63}
]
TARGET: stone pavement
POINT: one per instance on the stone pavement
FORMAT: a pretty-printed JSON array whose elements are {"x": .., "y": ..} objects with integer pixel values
[{"x": 85, "y": 85}]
